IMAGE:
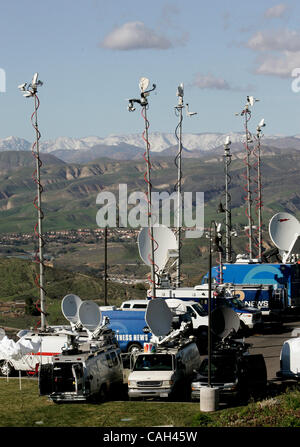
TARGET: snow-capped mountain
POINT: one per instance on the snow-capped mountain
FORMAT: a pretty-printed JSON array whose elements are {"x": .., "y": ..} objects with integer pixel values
[
  {"x": 14, "y": 144},
  {"x": 158, "y": 142}
]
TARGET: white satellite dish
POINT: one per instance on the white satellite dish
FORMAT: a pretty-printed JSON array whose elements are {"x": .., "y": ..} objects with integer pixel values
[
  {"x": 166, "y": 244},
  {"x": 158, "y": 317},
  {"x": 70, "y": 306},
  {"x": 180, "y": 90},
  {"x": 261, "y": 123},
  {"x": 224, "y": 321},
  {"x": 143, "y": 84},
  {"x": 34, "y": 79},
  {"x": 89, "y": 315},
  {"x": 251, "y": 100},
  {"x": 282, "y": 229},
  {"x": 227, "y": 140}
]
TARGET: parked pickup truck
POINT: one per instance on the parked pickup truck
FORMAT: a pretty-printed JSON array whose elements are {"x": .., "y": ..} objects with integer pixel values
[{"x": 163, "y": 373}]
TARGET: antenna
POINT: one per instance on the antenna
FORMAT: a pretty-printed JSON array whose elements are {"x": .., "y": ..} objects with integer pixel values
[
  {"x": 259, "y": 204},
  {"x": 228, "y": 228},
  {"x": 167, "y": 246},
  {"x": 178, "y": 164},
  {"x": 143, "y": 85},
  {"x": 284, "y": 230},
  {"x": 246, "y": 112},
  {"x": 158, "y": 317},
  {"x": 31, "y": 91}
]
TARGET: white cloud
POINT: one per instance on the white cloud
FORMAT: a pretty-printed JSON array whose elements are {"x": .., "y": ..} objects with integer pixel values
[
  {"x": 210, "y": 81},
  {"x": 135, "y": 36},
  {"x": 280, "y": 51},
  {"x": 281, "y": 65},
  {"x": 276, "y": 11},
  {"x": 279, "y": 40}
]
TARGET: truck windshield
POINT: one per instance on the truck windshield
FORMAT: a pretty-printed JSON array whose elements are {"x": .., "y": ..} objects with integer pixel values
[
  {"x": 154, "y": 362},
  {"x": 223, "y": 369},
  {"x": 199, "y": 309}
]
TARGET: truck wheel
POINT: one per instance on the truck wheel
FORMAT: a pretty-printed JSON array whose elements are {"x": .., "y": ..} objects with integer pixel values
[
  {"x": 103, "y": 393},
  {"x": 6, "y": 369},
  {"x": 134, "y": 347}
]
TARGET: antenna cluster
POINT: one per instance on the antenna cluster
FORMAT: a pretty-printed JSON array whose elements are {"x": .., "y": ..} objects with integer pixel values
[
  {"x": 246, "y": 113},
  {"x": 143, "y": 85},
  {"x": 178, "y": 163},
  {"x": 31, "y": 91}
]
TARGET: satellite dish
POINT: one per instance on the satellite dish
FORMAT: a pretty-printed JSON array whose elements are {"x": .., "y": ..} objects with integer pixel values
[
  {"x": 180, "y": 90},
  {"x": 223, "y": 321},
  {"x": 143, "y": 84},
  {"x": 166, "y": 241},
  {"x": 261, "y": 123},
  {"x": 251, "y": 100},
  {"x": 70, "y": 306},
  {"x": 89, "y": 315},
  {"x": 34, "y": 79},
  {"x": 283, "y": 228},
  {"x": 227, "y": 140},
  {"x": 158, "y": 317}
]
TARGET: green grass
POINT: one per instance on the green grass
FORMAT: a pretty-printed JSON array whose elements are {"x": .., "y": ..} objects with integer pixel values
[{"x": 25, "y": 408}]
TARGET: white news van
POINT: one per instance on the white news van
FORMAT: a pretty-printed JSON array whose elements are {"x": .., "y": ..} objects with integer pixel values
[{"x": 31, "y": 350}]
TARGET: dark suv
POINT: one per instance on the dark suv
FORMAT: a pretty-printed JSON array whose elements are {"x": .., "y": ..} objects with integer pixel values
[{"x": 237, "y": 375}]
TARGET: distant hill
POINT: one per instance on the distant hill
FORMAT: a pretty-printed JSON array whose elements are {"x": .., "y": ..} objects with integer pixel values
[
  {"x": 70, "y": 190},
  {"x": 11, "y": 160},
  {"x": 19, "y": 285}
]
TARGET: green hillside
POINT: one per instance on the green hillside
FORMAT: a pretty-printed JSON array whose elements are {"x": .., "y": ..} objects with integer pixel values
[
  {"x": 17, "y": 284},
  {"x": 70, "y": 191}
]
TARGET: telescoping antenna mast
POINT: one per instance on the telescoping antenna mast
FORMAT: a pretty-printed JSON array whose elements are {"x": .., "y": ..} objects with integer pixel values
[
  {"x": 228, "y": 229},
  {"x": 178, "y": 163},
  {"x": 143, "y": 85},
  {"x": 259, "y": 186},
  {"x": 246, "y": 112},
  {"x": 31, "y": 91}
]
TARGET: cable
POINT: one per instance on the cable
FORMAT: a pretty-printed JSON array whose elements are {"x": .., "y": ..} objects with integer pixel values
[
  {"x": 153, "y": 281},
  {"x": 37, "y": 206},
  {"x": 177, "y": 187}
]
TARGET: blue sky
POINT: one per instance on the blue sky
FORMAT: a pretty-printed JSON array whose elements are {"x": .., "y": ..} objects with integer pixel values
[{"x": 91, "y": 54}]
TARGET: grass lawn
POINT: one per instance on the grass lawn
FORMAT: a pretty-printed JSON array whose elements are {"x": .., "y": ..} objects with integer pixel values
[{"x": 25, "y": 408}]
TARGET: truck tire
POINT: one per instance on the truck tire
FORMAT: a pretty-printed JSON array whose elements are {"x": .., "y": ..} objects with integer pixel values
[
  {"x": 201, "y": 334},
  {"x": 103, "y": 393},
  {"x": 133, "y": 347}
]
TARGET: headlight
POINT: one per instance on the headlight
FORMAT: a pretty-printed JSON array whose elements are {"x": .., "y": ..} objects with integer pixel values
[
  {"x": 132, "y": 383},
  {"x": 195, "y": 386},
  {"x": 167, "y": 383}
]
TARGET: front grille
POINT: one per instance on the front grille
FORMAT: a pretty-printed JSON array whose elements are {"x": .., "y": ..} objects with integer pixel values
[{"x": 149, "y": 383}]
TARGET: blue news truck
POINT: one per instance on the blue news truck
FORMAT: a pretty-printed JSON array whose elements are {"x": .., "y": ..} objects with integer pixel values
[
  {"x": 130, "y": 328},
  {"x": 273, "y": 288}
]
